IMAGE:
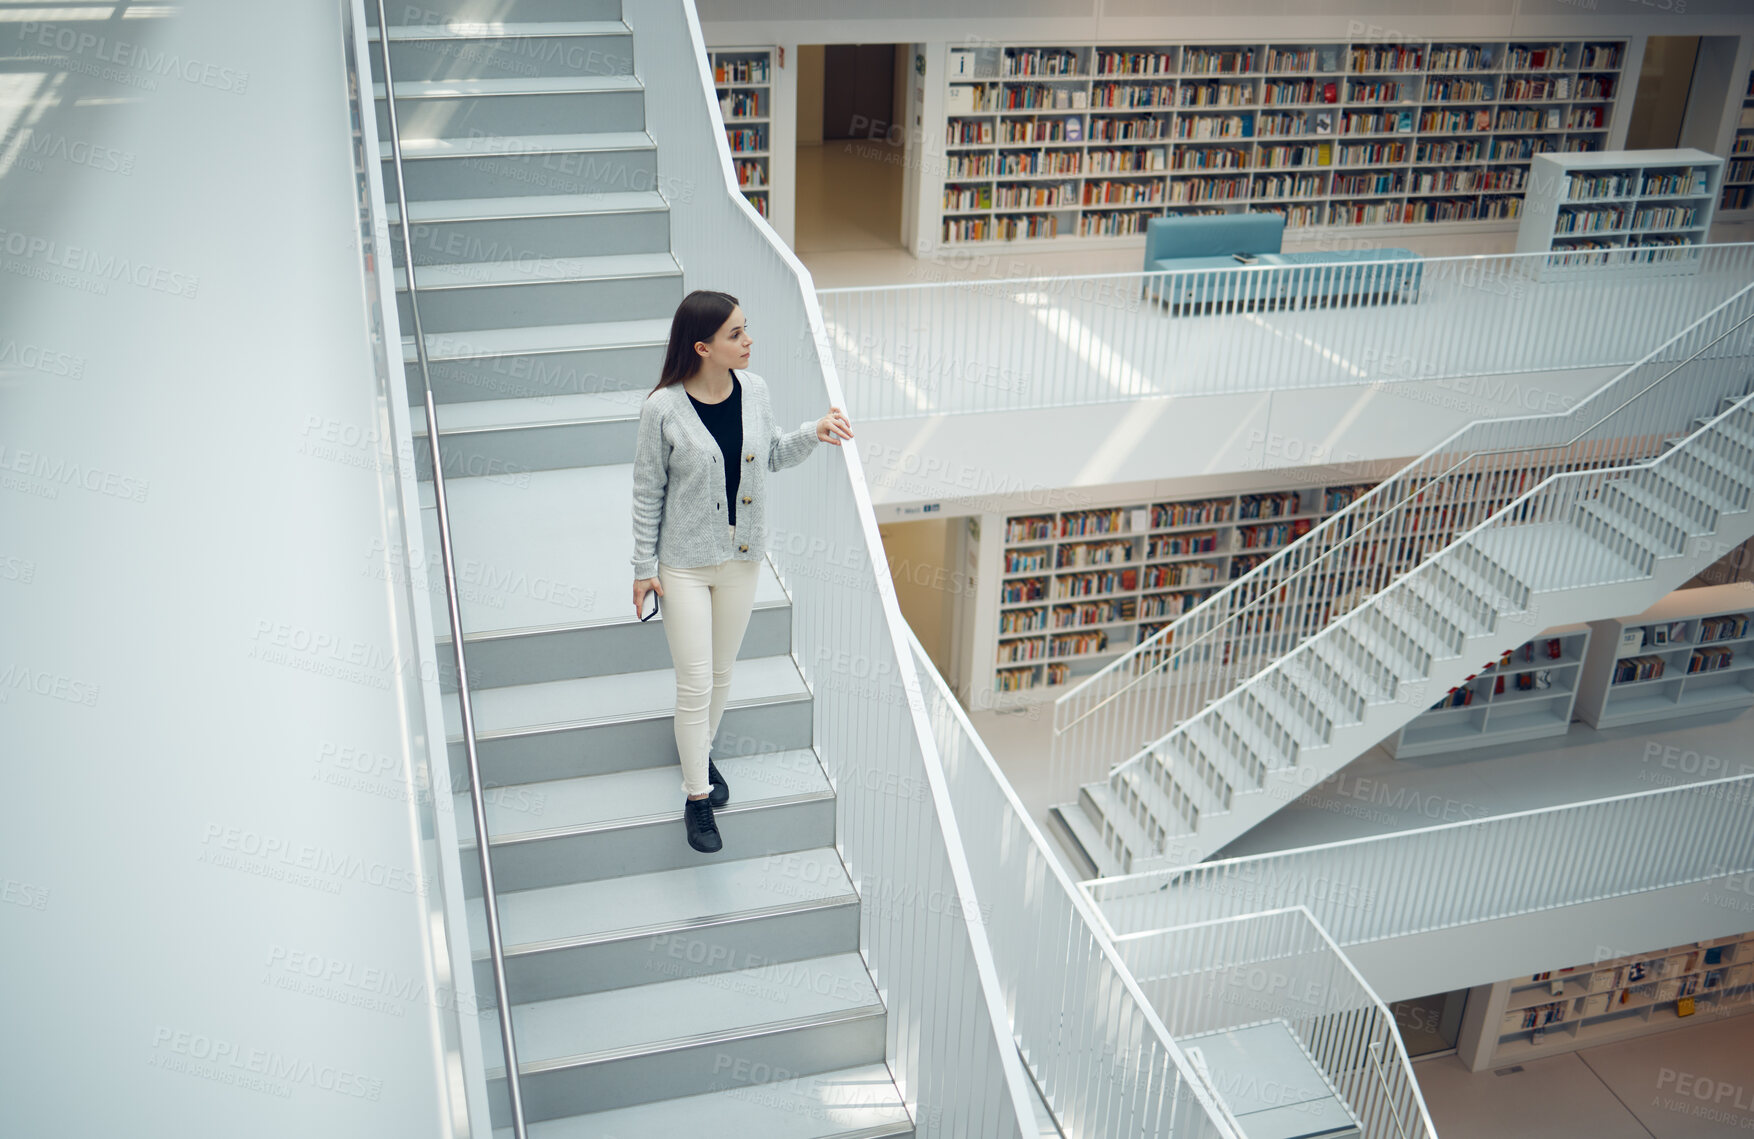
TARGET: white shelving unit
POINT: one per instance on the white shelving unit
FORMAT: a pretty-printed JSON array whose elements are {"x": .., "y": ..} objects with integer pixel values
[
  {"x": 1052, "y": 141},
  {"x": 1665, "y": 662},
  {"x": 1526, "y": 694},
  {"x": 1079, "y": 587},
  {"x": 1738, "y": 191},
  {"x": 1596, "y": 207},
  {"x": 744, "y": 79},
  {"x": 1542, "y": 1014}
]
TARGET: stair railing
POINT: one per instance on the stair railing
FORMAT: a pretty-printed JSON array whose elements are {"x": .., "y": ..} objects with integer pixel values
[
  {"x": 490, "y": 899},
  {"x": 1050, "y": 940},
  {"x": 920, "y": 930},
  {"x": 1380, "y": 535},
  {"x": 1710, "y": 379}
]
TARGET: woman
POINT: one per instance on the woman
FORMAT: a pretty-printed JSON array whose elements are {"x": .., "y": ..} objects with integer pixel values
[{"x": 706, "y": 442}]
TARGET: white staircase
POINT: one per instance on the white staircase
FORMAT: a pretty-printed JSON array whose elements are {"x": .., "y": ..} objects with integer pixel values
[
  {"x": 654, "y": 990},
  {"x": 1609, "y": 537}
]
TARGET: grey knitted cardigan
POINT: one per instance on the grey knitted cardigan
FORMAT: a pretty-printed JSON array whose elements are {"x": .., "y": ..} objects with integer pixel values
[{"x": 679, "y": 508}]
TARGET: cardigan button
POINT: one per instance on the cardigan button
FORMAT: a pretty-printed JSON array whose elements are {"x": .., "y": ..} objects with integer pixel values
[
  {"x": 749, "y": 458},
  {"x": 746, "y": 498},
  {"x": 743, "y": 549}
]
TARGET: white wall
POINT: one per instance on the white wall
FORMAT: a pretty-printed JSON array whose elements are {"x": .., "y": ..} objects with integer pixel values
[{"x": 219, "y": 912}]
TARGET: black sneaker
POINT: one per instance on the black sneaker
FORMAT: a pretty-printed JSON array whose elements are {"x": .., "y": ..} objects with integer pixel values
[
  {"x": 719, "y": 792},
  {"x": 697, "y": 819}
]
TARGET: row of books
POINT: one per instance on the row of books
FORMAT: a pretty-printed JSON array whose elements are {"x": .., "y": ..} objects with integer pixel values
[
  {"x": 1271, "y": 505},
  {"x": 1000, "y": 228},
  {"x": 1710, "y": 659},
  {"x": 1113, "y": 223},
  {"x": 1092, "y": 554},
  {"x": 751, "y": 173},
  {"x": 1215, "y": 95},
  {"x": 1211, "y": 158},
  {"x": 1133, "y": 95},
  {"x": 1723, "y": 628},
  {"x": 1179, "y": 574},
  {"x": 1273, "y": 534},
  {"x": 1664, "y": 217},
  {"x": 743, "y": 105},
  {"x": 1090, "y": 584},
  {"x": 1630, "y": 669},
  {"x": 740, "y": 71},
  {"x": 1077, "y": 644},
  {"x": 1169, "y": 605},
  {"x": 746, "y": 138},
  {"x": 1110, "y": 193}
]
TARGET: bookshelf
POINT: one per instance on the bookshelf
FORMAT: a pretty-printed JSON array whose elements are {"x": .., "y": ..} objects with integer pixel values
[
  {"x": 1076, "y": 588},
  {"x": 1543, "y": 1014},
  {"x": 1526, "y": 694},
  {"x": 744, "y": 80},
  {"x": 1590, "y": 205},
  {"x": 1690, "y": 652},
  {"x": 1051, "y": 142},
  {"x": 1738, "y": 191}
]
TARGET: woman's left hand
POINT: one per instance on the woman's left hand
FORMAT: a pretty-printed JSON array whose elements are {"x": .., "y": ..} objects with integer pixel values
[{"x": 835, "y": 422}]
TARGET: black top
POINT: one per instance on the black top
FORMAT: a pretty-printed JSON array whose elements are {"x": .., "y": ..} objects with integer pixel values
[{"x": 725, "y": 420}]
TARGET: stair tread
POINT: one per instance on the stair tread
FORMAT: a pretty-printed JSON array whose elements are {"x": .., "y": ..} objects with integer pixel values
[
  {"x": 1074, "y": 818},
  {"x": 860, "y": 1101},
  {"x": 1203, "y": 732},
  {"x": 615, "y": 696},
  {"x": 543, "y": 550},
  {"x": 528, "y": 206},
  {"x": 640, "y": 795},
  {"x": 500, "y": 145},
  {"x": 511, "y": 85},
  {"x": 1634, "y": 530},
  {"x": 1204, "y": 798},
  {"x": 475, "y": 29},
  {"x": 642, "y": 1018},
  {"x": 1460, "y": 612},
  {"x": 531, "y": 411},
  {"x": 1670, "y": 472},
  {"x": 659, "y": 899},
  {"x": 1123, "y": 823},
  {"x": 603, "y": 267},
  {"x": 1651, "y": 500},
  {"x": 1536, "y": 552},
  {"x": 538, "y": 338}
]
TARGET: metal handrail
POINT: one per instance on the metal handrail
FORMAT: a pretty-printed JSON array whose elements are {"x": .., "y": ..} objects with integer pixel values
[
  {"x": 1374, "y": 499},
  {"x": 476, "y": 801},
  {"x": 1384, "y": 513}
]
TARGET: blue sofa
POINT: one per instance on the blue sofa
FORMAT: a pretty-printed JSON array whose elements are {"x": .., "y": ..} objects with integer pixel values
[{"x": 1205, "y": 244}]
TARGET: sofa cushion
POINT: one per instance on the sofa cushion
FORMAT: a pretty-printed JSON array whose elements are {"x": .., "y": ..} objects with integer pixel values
[{"x": 1185, "y": 236}]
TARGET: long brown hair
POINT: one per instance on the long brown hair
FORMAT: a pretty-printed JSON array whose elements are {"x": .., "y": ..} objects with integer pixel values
[{"x": 699, "y": 317}]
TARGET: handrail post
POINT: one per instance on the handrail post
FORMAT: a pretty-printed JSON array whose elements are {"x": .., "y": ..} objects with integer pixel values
[{"x": 476, "y": 802}]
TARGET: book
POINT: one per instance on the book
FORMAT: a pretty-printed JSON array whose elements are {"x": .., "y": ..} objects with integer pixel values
[{"x": 1684, "y": 1007}]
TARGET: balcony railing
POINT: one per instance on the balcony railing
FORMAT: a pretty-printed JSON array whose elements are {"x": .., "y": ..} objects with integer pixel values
[
  {"x": 1017, "y": 344},
  {"x": 1278, "y": 974},
  {"x": 1409, "y": 882}
]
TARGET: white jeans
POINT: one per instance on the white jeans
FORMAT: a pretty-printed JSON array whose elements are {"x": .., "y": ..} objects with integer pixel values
[{"x": 706, "y": 611}]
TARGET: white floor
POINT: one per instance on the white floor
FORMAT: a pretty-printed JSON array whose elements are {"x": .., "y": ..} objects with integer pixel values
[
  {"x": 1666, "y": 1086},
  {"x": 1689, "y": 1083}
]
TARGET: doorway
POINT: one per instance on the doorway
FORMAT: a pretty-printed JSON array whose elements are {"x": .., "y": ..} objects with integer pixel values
[
  {"x": 1659, "y": 104},
  {"x": 850, "y": 146},
  {"x": 1429, "y": 1024}
]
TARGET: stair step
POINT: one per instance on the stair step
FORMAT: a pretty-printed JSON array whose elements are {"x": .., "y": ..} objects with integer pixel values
[
  {"x": 1233, "y": 758},
  {"x": 1665, "y": 500},
  {"x": 1393, "y": 638},
  {"x": 1442, "y": 603},
  {"x": 516, "y": 85},
  {"x": 479, "y": 30},
  {"x": 859, "y": 1102},
  {"x": 1309, "y": 716},
  {"x": 621, "y": 1047},
  {"x": 502, "y": 146},
  {"x": 1667, "y": 471},
  {"x": 517, "y": 414},
  {"x": 1636, "y": 532},
  {"x": 1086, "y": 837},
  {"x": 1203, "y": 789},
  {"x": 480, "y": 274},
  {"x": 594, "y": 725},
  {"x": 1703, "y": 450},
  {"x": 721, "y": 914},
  {"x": 1124, "y": 838},
  {"x": 540, "y": 339},
  {"x": 1147, "y": 791},
  {"x": 1339, "y": 653},
  {"x": 530, "y": 206},
  {"x": 630, "y": 822}
]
